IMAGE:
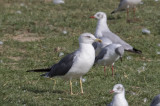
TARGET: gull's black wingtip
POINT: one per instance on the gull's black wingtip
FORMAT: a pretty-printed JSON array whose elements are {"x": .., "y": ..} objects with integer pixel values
[
  {"x": 137, "y": 51},
  {"x": 112, "y": 12}
]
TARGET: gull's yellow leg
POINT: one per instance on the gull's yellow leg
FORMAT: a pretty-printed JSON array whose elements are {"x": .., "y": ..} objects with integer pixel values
[
  {"x": 54, "y": 82},
  {"x": 81, "y": 85},
  {"x": 71, "y": 86}
]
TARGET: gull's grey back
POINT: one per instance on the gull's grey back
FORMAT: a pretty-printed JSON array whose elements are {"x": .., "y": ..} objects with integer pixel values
[{"x": 116, "y": 39}]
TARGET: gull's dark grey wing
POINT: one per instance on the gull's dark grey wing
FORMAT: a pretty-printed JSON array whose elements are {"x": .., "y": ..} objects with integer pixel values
[
  {"x": 101, "y": 54},
  {"x": 119, "y": 6},
  {"x": 95, "y": 45},
  {"x": 155, "y": 100},
  {"x": 119, "y": 51},
  {"x": 63, "y": 66}
]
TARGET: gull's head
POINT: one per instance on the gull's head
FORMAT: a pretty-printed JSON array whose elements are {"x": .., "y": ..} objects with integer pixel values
[
  {"x": 99, "y": 16},
  {"x": 117, "y": 89},
  {"x": 88, "y": 38}
]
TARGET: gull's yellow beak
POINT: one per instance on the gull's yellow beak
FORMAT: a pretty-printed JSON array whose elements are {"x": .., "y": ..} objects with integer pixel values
[{"x": 98, "y": 40}]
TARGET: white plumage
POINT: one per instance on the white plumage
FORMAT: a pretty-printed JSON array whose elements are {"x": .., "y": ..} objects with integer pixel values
[
  {"x": 119, "y": 96},
  {"x": 76, "y": 64},
  {"x": 102, "y": 31}
]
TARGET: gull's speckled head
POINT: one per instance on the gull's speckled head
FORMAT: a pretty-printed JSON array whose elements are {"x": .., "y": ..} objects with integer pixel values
[
  {"x": 99, "y": 15},
  {"x": 118, "y": 88}
]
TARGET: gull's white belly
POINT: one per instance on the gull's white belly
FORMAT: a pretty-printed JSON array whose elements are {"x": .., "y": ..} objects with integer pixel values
[{"x": 82, "y": 64}]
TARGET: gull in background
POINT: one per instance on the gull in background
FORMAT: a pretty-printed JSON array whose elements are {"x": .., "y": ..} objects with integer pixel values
[
  {"x": 58, "y": 1},
  {"x": 102, "y": 30},
  {"x": 126, "y": 5},
  {"x": 76, "y": 64},
  {"x": 109, "y": 54},
  {"x": 119, "y": 96}
]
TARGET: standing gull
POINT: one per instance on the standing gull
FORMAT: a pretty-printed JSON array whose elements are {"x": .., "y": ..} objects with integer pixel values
[
  {"x": 126, "y": 5},
  {"x": 76, "y": 64},
  {"x": 156, "y": 101},
  {"x": 102, "y": 30},
  {"x": 119, "y": 96},
  {"x": 109, "y": 54}
]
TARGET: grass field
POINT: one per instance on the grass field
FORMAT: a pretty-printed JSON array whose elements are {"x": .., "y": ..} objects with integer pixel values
[{"x": 32, "y": 36}]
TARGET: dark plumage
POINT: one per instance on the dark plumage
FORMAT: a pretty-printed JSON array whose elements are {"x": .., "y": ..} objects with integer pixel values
[
  {"x": 100, "y": 55},
  {"x": 156, "y": 101},
  {"x": 59, "y": 69},
  {"x": 76, "y": 64}
]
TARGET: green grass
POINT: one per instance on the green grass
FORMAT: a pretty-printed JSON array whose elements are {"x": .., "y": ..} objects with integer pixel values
[{"x": 45, "y": 20}]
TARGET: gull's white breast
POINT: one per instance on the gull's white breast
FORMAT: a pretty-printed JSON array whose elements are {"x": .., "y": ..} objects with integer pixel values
[{"x": 83, "y": 61}]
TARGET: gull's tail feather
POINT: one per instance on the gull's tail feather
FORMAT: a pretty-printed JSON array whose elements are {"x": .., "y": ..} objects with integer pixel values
[
  {"x": 40, "y": 70},
  {"x": 135, "y": 51}
]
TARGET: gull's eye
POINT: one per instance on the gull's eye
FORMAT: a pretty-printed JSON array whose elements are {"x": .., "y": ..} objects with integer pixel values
[
  {"x": 98, "y": 15},
  {"x": 119, "y": 88},
  {"x": 88, "y": 36}
]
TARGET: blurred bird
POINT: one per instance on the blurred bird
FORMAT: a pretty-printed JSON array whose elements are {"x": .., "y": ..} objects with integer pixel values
[
  {"x": 156, "y": 101},
  {"x": 58, "y": 1},
  {"x": 76, "y": 64},
  {"x": 126, "y": 5},
  {"x": 119, "y": 96}
]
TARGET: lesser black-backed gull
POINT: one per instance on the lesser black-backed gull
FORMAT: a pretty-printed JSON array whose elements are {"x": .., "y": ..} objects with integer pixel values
[{"x": 76, "y": 64}]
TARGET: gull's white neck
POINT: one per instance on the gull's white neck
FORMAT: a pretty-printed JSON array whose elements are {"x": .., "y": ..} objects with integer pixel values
[
  {"x": 120, "y": 98},
  {"x": 87, "y": 52},
  {"x": 101, "y": 27},
  {"x": 120, "y": 95},
  {"x": 86, "y": 47}
]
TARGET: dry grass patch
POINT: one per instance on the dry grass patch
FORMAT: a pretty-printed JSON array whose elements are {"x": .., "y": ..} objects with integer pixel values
[
  {"x": 15, "y": 58},
  {"x": 23, "y": 37},
  {"x": 27, "y": 37}
]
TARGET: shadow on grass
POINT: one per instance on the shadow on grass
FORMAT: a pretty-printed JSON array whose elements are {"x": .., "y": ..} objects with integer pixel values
[{"x": 40, "y": 90}]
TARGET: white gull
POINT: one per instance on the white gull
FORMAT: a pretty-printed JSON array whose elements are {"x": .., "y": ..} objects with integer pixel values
[
  {"x": 102, "y": 30},
  {"x": 119, "y": 96}
]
